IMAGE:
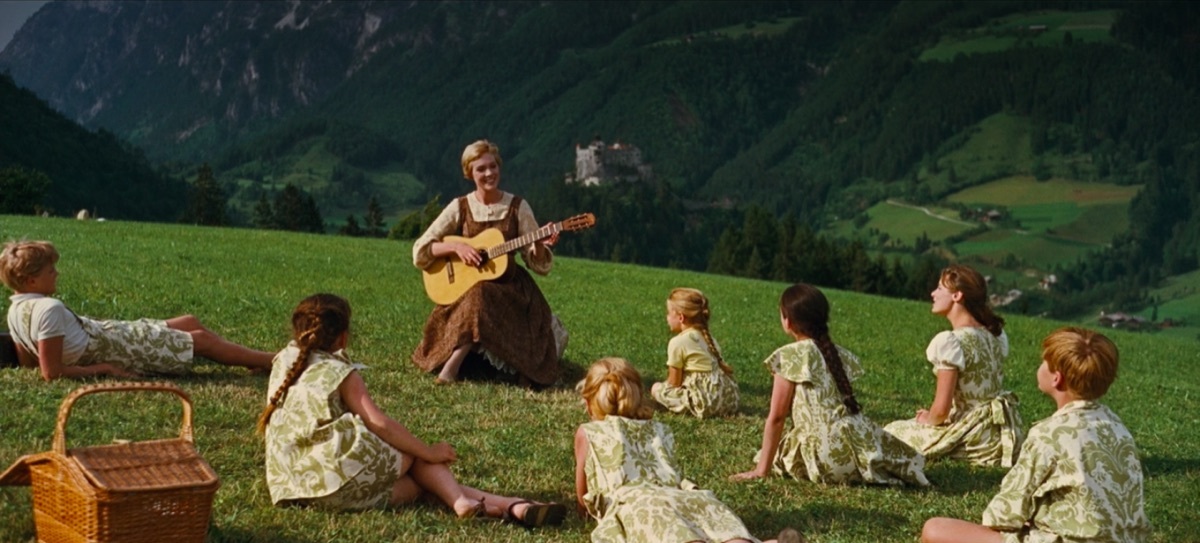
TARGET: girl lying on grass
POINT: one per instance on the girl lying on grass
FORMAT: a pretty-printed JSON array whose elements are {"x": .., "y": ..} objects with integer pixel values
[{"x": 328, "y": 445}]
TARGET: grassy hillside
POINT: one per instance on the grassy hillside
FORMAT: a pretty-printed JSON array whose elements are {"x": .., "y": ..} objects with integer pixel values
[
  {"x": 244, "y": 283},
  {"x": 1178, "y": 300},
  {"x": 1068, "y": 217},
  {"x": 1041, "y": 28},
  {"x": 1056, "y": 221}
]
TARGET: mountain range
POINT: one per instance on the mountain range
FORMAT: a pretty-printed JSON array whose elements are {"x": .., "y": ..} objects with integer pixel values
[{"x": 811, "y": 110}]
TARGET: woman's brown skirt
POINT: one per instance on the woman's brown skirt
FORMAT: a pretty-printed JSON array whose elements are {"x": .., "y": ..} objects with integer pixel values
[{"x": 508, "y": 316}]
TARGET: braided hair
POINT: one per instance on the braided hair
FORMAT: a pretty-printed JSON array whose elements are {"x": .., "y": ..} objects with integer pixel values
[
  {"x": 973, "y": 286},
  {"x": 693, "y": 305},
  {"x": 317, "y": 322},
  {"x": 613, "y": 386},
  {"x": 807, "y": 311}
]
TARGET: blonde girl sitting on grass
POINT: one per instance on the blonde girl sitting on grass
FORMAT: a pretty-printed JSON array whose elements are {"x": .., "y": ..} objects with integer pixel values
[
  {"x": 328, "y": 445},
  {"x": 626, "y": 475},
  {"x": 699, "y": 382}
]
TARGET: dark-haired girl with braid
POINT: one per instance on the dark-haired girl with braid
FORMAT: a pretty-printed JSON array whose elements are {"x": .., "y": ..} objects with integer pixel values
[
  {"x": 699, "y": 382},
  {"x": 972, "y": 417},
  {"x": 830, "y": 441},
  {"x": 329, "y": 446}
]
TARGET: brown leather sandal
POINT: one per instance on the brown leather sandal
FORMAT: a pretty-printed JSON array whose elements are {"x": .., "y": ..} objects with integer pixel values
[{"x": 537, "y": 514}]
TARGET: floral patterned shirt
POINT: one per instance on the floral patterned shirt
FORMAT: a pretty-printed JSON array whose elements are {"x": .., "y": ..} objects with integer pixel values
[{"x": 1077, "y": 479}]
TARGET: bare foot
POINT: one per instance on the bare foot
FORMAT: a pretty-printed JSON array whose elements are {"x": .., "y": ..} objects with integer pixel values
[{"x": 466, "y": 509}]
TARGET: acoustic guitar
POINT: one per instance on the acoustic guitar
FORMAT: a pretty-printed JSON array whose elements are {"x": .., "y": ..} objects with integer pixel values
[{"x": 448, "y": 278}]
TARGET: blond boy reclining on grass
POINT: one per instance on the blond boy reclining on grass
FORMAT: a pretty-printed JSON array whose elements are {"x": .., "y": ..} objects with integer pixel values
[{"x": 62, "y": 344}]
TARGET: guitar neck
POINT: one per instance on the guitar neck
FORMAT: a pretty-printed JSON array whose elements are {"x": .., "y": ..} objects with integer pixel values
[{"x": 521, "y": 241}]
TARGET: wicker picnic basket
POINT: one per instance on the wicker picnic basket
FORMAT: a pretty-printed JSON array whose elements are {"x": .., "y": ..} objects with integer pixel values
[{"x": 144, "y": 491}]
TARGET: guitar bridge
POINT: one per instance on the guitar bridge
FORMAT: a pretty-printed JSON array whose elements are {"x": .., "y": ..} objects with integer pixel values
[{"x": 450, "y": 271}]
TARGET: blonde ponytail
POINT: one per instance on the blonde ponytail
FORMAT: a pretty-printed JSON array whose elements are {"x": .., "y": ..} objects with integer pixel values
[{"x": 613, "y": 387}]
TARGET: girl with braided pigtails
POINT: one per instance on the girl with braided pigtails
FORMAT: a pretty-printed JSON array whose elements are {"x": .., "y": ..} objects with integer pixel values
[
  {"x": 699, "y": 382},
  {"x": 830, "y": 441},
  {"x": 328, "y": 445}
]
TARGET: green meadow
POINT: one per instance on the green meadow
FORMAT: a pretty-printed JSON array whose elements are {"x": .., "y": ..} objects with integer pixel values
[
  {"x": 243, "y": 284},
  {"x": 1179, "y": 300},
  {"x": 1060, "y": 219},
  {"x": 1044, "y": 28},
  {"x": 312, "y": 171},
  {"x": 906, "y": 222}
]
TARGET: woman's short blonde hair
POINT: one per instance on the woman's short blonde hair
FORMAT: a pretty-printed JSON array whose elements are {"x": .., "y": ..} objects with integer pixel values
[
  {"x": 476, "y": 150},
  {"x": 613, "y": 387},
  {"x": 21, "y": 260}
]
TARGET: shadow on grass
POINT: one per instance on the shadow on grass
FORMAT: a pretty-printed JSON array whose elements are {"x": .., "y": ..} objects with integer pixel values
[
  {"x": 818, "y": 519},
  {"x": 956, "y": 478},
  {"x": 236, "y": 535},
  {"x": 476, "y": 368},
  {"x": 754, "y": 390},
  {"x": 1157, "y": 466}
]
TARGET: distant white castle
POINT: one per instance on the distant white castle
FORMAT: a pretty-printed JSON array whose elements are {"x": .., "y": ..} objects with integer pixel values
[{"x": 599, "y": 163}]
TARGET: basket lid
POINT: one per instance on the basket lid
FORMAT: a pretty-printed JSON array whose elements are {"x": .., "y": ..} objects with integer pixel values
[
  {"x": 18, "y": 473},
  {"x": 144, "y": 465}
]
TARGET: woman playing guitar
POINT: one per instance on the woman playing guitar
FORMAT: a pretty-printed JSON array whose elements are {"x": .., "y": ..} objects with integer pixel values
[{"x": 506, "y": 319}]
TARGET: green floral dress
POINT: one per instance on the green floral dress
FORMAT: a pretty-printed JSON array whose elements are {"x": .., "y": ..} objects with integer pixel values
[
  {"x": 984, "y": 427},
  {"x": 825, "y": 444},
  {"x": 637, "y": 493},
  {"x": 1077, "y": 479},
  {"x": 703, "y": 393},
  {"x": 144, "y": 346},
  {"x": 319, "y": 453}
]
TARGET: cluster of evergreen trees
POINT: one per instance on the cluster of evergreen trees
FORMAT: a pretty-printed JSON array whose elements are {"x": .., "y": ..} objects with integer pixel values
[
  {"x": 293, "y": 209},
  {"x": 373, "y": 224},
  {"x": 646, "y": 223}
]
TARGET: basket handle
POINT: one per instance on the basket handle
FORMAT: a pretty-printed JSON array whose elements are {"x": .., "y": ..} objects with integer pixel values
[{"x": 60, "y": 428}]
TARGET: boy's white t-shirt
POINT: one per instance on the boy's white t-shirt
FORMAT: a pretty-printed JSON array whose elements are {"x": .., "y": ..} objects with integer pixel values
[{"x": 49, "y": 318}]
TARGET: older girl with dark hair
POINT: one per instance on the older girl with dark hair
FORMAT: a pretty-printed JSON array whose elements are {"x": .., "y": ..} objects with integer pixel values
[
  {"x": 830, "y": 441},
  {"x": 972, "y": 417}
]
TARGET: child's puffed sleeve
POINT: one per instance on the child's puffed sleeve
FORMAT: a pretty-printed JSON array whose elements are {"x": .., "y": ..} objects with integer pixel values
[
  {"x": 676, "y": 352},
  {"x": 945, "y": 352}
]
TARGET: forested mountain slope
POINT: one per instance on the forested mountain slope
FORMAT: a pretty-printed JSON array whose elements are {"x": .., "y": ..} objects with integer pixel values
[
  {"x": 803, "y": 113},
  {"x": 89, "y": 170}
]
